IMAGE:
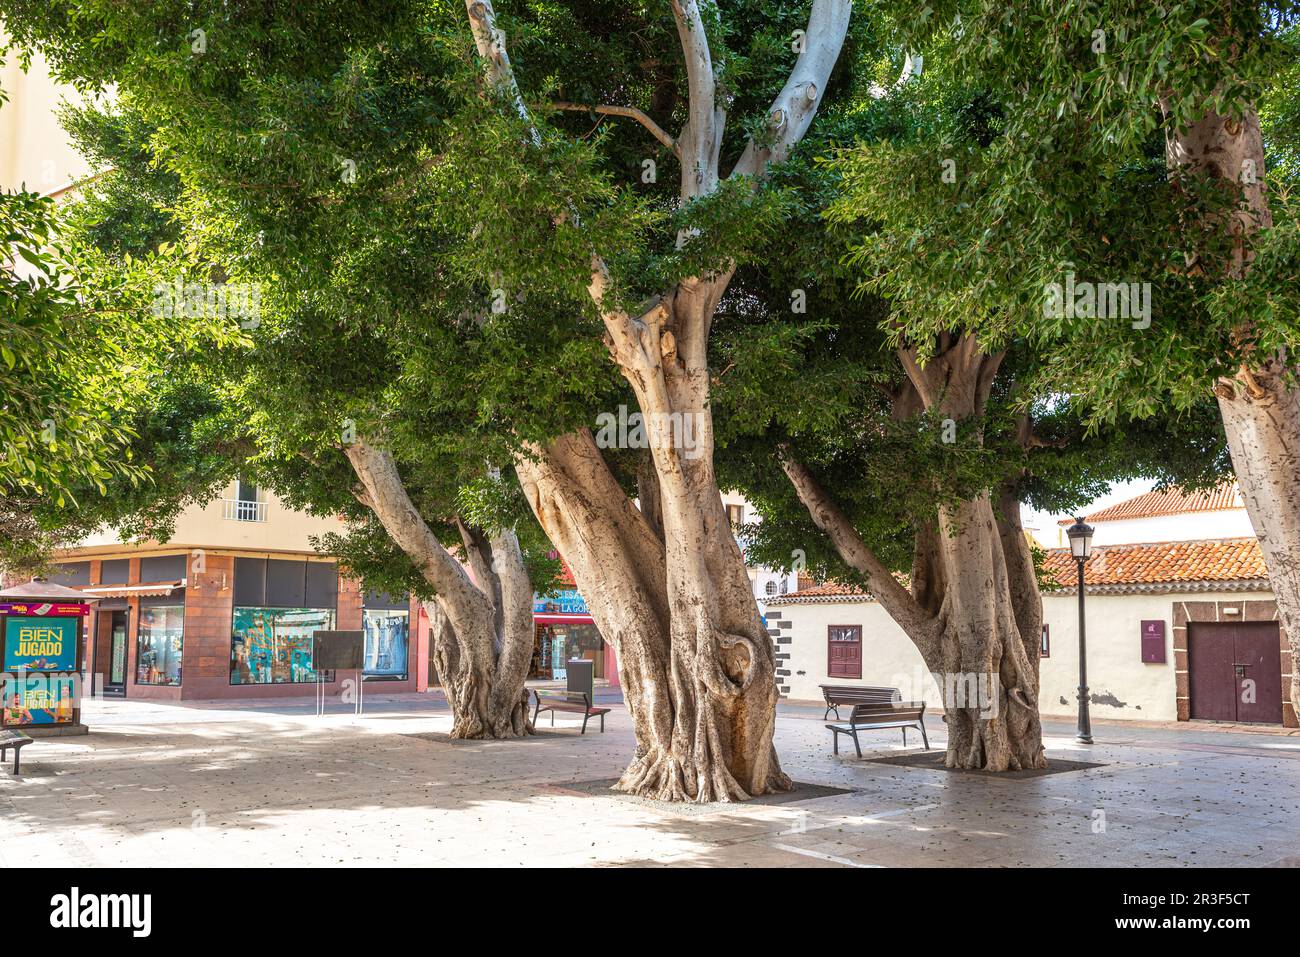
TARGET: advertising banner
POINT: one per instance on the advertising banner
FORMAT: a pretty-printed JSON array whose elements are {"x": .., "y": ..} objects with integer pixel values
[
  {"x": 34, "y": 643},
  {"x": 34, "y": 699},
  {"x": 43, "y": 609}
]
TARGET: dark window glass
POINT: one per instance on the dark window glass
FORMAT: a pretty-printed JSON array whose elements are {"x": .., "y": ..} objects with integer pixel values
[
  {"x": 383, "y": 600},
  {"x": 162, "y": 568},
  {"x": 285, "y": 583},
  {"x": 250, "y": 582},
  {"x": 247, "y": 491},
  {"x": 116, "y": 571},
  {"x": 322, "y": 585},
  {"x": 73, "y": 573}
]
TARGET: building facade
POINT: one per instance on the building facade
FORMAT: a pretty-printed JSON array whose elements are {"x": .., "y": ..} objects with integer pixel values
[
  {"x": 227, "y": 608},
  {"x": 1176, "y": 630}
]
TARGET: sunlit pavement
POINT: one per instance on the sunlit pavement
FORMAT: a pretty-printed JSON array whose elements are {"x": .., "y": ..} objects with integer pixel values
[{"x": 253, "y": 784}]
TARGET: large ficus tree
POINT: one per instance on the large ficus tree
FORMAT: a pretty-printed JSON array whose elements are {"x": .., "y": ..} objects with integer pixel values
[
  {"x": 85, "y": 393},
  {"x": 1136, "y": 161},
  {"x": 846, "y": 403},
  {"x": 664, "y": 579},
  {"x": 520, "y": 215},
  {"x": 667, "y": 581}
]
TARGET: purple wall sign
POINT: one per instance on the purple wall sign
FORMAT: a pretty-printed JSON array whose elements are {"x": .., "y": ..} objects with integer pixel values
[{"x": 1153, "y": 641}]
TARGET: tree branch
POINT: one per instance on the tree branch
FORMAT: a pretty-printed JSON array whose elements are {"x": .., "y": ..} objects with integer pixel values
[
  {"x": 630, "y": 112},
  {"x": 701, "y": 137},
  {"x": 793, "y": 110},
  {"x": 920, "y": 626},
  {"x": 491, "y": 43}
]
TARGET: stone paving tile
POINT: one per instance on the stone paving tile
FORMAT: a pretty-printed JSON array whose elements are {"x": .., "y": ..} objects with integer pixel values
[{"x": 159, "y": 784}]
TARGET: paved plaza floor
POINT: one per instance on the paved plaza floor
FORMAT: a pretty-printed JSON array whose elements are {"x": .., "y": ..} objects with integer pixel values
[{"x": 247, "y": 785}]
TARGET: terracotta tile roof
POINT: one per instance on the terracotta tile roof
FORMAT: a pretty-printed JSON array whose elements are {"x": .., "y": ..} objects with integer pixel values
[
  {"x": 1173, "y": 501},
  {"x": 1214, "y": 560},
  {"x": 824, "y": 590},
  {"x": 1227, "y": 564}
]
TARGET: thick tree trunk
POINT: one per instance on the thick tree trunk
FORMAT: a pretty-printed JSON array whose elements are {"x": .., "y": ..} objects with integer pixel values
[
  {"x": 706, "y": 708},
  {"x": 1261, "y": 416},
  {"x": 984, "y": 652},
  {"x": 482, "y": 633},
  {"x": 974, "y": 610},
  {"x": 1259, "y": 406},
  {"x": 703, "y": 703}
]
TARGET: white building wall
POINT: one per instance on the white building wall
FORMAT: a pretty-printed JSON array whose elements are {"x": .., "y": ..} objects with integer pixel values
[
  {"x": 1121, "y": 685},
  {"x": 889, "y": 659}
]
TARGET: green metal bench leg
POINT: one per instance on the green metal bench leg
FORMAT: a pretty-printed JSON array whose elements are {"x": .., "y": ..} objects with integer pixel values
[
  {"x": 857, "y": 746},
  {"x": 924, "y": 739},
  {"x": 835, "y": 740},
  {"x": 904, "y": 737},
  {"x": 585, "y": 719},
  {"x": 602, "y": 724},
  {"x": 18, "y": 756}
]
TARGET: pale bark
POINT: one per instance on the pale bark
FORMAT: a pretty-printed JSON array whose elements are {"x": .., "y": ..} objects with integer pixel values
[
  {"x": 481, "y": 633},
  {"x": 1260, "y": 404},
  {"x": 674, "y": 596},
  {"x": 973, "y": 609},
  {"x": 1261, "y": 416}
]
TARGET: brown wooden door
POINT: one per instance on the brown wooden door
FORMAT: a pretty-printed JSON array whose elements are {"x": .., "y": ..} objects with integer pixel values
[
  {"x": 1257, "y": 672},
  {"x": 1235, "y": 671},
  {"x": 844, "y": 651}
]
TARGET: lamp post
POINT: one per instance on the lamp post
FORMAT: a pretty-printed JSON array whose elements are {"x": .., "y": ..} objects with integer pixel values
[{"x": 1081, "y": 547}]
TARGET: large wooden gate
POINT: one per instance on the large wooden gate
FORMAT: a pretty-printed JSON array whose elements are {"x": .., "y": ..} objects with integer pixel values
[{"x": 1235, "y": 671}]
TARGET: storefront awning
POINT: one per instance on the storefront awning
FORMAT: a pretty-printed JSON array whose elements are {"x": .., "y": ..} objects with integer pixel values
[
  {"x": 562, "y": 619},
  {"x": 139, "y": 591}
]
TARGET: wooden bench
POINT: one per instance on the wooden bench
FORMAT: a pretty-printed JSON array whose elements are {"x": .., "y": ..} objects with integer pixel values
[
  {"x": 573, "y": 701},
  {"x": 15, "y": 740},
  {"x": 889, "y": 714},
  {"x": 837, "y": 695}
]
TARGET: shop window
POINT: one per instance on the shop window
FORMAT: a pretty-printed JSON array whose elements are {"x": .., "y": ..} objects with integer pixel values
[
  {"x": 161, "y": 639},
  {"x": 274, "y": 645},
  {"x": 387, "y": 639},
  {"x": 585, "y": 641}
]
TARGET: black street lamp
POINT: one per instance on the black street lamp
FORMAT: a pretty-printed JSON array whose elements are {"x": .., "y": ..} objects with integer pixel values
[{"x": 1081, "y": 547}]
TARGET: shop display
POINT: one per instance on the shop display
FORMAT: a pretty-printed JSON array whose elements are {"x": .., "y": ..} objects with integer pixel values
[
  {"x": 274, "y": 645},
  {"x": 158, "y": 651}
]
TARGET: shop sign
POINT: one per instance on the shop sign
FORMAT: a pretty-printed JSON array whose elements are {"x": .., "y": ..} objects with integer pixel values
[
  {"x": 566, "y": 602},
  {"x": 1153, "y": 641}
]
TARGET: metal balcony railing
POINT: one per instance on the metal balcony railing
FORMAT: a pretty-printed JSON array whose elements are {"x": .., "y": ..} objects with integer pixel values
[{"x": 240, "y": 510}]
